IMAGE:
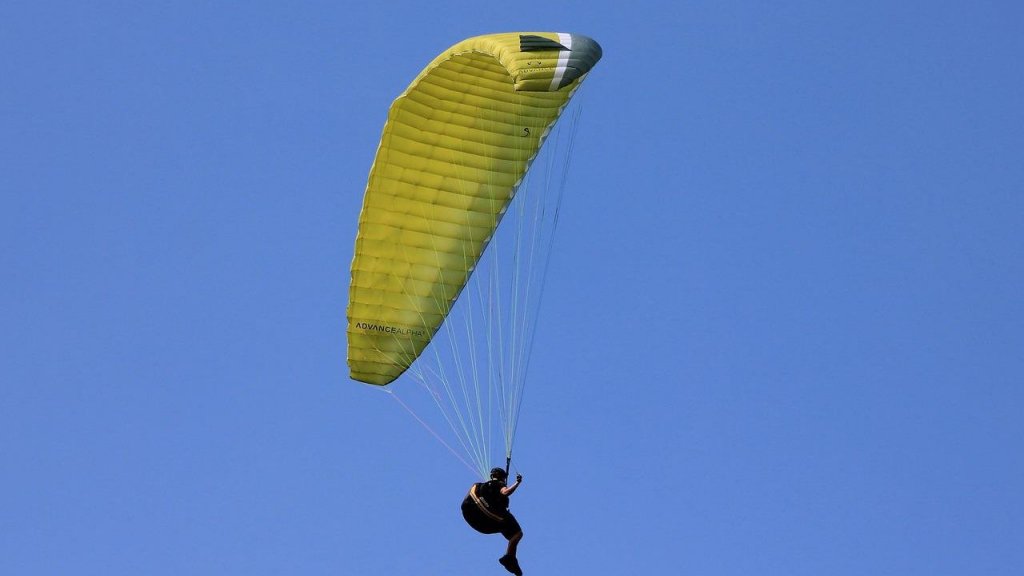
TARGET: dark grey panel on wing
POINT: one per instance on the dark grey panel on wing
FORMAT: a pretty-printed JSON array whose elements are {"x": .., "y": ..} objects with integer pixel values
[
  {"x": 532, "y": 43},
  {"x": 584, "y": 54}
]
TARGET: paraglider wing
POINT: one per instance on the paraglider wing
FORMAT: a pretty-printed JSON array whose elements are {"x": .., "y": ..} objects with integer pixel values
[{"x": 455, "y": 147}]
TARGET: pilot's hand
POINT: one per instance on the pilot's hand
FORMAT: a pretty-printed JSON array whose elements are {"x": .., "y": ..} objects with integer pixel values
[{"x": 519, "y": 477}]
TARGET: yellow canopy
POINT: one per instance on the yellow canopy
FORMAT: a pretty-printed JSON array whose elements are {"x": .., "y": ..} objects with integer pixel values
[{"x": 455, "y": 147}]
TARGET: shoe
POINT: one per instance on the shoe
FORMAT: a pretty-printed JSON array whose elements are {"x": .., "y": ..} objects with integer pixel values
[{"x": 511, "y": 563}]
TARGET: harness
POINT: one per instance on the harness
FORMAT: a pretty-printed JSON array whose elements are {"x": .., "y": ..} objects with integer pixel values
[{"x": 483, "y": 506}]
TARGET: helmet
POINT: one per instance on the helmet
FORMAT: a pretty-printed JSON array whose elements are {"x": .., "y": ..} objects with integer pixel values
[{"x": 499, "y": 473}]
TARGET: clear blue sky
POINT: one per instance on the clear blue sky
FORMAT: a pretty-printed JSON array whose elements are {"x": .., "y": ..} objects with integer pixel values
[{"x": 786, "y": 328}]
